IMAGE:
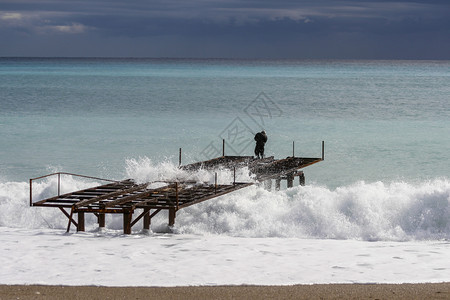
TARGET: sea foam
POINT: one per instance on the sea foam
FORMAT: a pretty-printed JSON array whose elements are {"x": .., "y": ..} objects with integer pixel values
[
  {"x": 394, "y": 211},
  {"x": 364, "y": 211}
]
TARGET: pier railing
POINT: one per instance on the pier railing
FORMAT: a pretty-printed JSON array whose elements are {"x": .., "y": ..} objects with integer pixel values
[{"x": 59, "y": 181}]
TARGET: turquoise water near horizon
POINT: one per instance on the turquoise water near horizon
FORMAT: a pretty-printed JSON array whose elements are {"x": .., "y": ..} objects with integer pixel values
[{"x": 380, "y": 120}]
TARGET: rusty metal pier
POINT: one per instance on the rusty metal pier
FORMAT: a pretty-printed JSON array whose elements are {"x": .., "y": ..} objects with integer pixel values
[{"x": 127, "y": 197}]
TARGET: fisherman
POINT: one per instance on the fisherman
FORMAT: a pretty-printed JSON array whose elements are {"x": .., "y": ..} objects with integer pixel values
[{"x": 261, "y": 139}]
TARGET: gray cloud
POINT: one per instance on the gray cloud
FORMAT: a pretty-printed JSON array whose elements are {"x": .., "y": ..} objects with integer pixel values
[{"x": 303, "y": 29}]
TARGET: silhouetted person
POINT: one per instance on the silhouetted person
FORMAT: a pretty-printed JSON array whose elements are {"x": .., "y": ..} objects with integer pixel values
[{"x": 261, "y": 139}]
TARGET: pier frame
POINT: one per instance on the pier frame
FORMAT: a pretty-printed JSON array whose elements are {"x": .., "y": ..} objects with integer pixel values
[
  {"x": 101, "y": 220},
  {"x": 126, "y": 197},
  {"x": 172, "y": 215},
  {"x": 147, "y": 219},
  {"x": 290, "y": 180},
  {"x": 80, "y": 226}
]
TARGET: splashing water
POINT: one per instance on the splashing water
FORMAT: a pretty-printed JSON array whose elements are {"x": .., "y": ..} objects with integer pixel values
[{"x": 365, "y": 211}]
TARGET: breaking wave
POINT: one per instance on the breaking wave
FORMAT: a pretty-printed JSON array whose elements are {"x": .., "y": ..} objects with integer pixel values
[
  {"x": 366, "y": 211},
  {"x": 396, "y": 211}
]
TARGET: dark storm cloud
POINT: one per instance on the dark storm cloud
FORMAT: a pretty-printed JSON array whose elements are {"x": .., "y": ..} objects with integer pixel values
[{"x": 343, "y": 29}]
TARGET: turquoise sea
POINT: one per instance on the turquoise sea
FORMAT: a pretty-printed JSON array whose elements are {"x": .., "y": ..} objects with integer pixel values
[{"x": 380, "y": 120}]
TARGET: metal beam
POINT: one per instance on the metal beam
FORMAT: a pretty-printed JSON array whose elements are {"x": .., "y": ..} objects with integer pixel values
[
  {"x": 138, "y": 196},
  {"x": 111, "y": 195}
]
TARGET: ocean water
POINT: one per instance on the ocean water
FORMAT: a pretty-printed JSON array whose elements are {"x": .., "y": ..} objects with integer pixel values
[
  {"x": 381, "y": 120},
  {"x": 384, "y": 184}
]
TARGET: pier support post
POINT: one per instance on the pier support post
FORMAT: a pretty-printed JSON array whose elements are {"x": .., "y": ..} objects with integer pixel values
[
  {"x": 301, "y": 179},
  {"x": 127, "y": 222},
  {"x": 268, "y": 184},
  {"x": 323, "y": 150},
  {"x": 293, "y": 149},
  {"x": 147, "y": 219},
  {"x": 290, "y": 180},
  {"x": 215, "y": 183},
  {"x": 101, "y": 220},
  {"x": 172, "y": 215},
  {"x": 80, "y": 226},
  {"x": 277, "y": 184}
]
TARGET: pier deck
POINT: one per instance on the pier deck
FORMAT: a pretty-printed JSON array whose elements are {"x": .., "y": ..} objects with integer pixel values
[{"x": 125, "y": 197}]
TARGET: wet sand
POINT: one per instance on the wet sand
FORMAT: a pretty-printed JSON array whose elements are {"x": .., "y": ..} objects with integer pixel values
[{"x": 319, "y": 291}]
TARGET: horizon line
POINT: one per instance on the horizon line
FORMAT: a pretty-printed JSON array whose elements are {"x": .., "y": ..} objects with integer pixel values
[{"x": 223, "y": 58}]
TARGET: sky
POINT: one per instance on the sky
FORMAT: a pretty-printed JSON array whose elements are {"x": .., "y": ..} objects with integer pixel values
[{"x": 283, "y": 29}]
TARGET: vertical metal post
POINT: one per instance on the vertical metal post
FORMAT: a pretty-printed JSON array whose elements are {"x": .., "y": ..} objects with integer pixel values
[
  {"x": 223, "y": 147},
  {"x": 147, "y": 218},
  {"x": 293, "y": 149},
  {"x": 101, "y": 220},
  {"x": 215, "y": 182},
  {"x": 277, "y": 184},
  {"x": 59, "y": 184},
  {"x": 31, "y": 192},
  {"x": 176, "y": 194},
  {"x": 127, "y": 222},
  {"x": 323, "y": 150},
  {"x": 179, "y": 159},
  {"x": 301, "y": 179},
  {"x": 172, "y": 215},
  {"x": 80, "y": 221},
  {"x": 290, "y": 180},
  {"x": 234, "y": 175}
]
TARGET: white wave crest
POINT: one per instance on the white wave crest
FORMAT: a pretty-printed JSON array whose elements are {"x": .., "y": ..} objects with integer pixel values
[
  {"x": 366, "y": 211},
  {"x": 394, "y": 211}
]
